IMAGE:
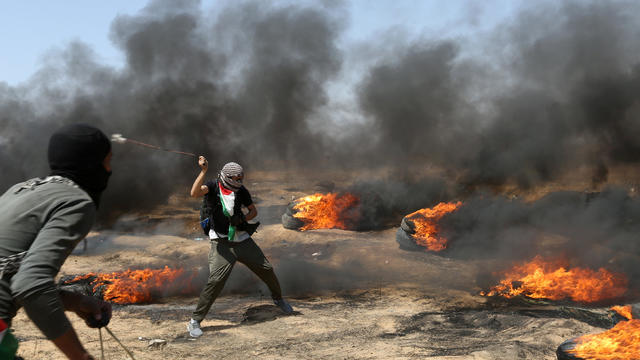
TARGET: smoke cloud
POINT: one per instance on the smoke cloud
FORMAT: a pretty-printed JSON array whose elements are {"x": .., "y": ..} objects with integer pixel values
[
  {"x": 550, "y": 90},
  {"x": 382, "y": 202},
  {"x": 237, "y": 86},
  {"x": 557, "y": 93},
  {"x": 592, "y": 230}
]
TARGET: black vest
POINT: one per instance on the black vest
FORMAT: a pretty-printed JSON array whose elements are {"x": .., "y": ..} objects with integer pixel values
[{"x": 212, "y": 209}]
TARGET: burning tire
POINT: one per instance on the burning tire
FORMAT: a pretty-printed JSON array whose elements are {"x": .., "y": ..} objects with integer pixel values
[
  {"x": 322, "y": 211},
  {"x": 554, "y": 279},
  {"x": 563, "y": 351},
  {"x": 404, "y": 237},
  {"x": 420, "y": 229},
  {"x": 81, "y": 285},
  {"x": 620, "y": 342},
  {"x": 134, "y": 286},
  {"x": 289, "y": 222}
]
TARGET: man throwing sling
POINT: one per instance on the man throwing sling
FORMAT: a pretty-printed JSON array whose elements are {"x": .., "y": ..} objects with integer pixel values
[{"x": 230, "y": 236}]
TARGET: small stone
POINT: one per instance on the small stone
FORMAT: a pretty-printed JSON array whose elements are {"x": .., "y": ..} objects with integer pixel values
[{"x": 157, "y": 343}]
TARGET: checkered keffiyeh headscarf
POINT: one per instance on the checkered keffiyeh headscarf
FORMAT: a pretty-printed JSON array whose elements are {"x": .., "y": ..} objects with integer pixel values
[{"x": 229, "y": 170}]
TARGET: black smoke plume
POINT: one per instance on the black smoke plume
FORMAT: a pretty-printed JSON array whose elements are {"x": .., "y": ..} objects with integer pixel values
[
  {"x": 592, "y": 230},
  {"x": 550, "y": 90},
  {"x": 383, "y": 202},
  {"x": 234, "y": 86}
]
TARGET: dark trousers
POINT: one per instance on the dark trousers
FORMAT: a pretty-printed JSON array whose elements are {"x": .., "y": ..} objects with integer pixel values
[{"x": 222, "y": 256}]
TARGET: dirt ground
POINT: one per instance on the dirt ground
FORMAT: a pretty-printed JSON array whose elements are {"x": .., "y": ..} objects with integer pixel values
[{"x": 356, "y": 295}]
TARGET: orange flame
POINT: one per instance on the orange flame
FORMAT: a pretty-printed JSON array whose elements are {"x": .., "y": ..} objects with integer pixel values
[
  {"x": 326, "y": 211},
  {"x": 624, "y": 311},
  {"x": 139, "y": 286},
  {"x": 543, "y": 279},
  {"x": 622, "y": 342},
  {"x": 426, "y": 225}
]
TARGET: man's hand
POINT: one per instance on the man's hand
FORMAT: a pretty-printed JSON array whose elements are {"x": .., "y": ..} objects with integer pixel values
[
  {"x": 204, "y": 164},
  {"x": 197, "y": 189},
  {"x": 95, "y": 313}
]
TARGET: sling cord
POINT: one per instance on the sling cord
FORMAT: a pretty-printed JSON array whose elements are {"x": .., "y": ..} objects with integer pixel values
[
  {"x": 114, "y": 338},
  {"x": 101, "y": 345}
]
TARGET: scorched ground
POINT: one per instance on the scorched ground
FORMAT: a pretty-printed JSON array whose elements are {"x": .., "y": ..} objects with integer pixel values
[{"x": 357, "y": 296}]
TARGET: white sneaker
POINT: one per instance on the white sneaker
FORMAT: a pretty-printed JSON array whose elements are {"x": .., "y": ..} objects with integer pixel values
[{"x": 194, "y": 328}]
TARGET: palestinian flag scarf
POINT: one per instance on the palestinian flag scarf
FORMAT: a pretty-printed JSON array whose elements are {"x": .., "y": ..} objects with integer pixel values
[
  {"x": 228, "y": 200},
  {"x": 8, "y": 342}
]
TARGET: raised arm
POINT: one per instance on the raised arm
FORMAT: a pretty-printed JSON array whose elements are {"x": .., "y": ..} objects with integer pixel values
[{"x": 198, "y": 189}]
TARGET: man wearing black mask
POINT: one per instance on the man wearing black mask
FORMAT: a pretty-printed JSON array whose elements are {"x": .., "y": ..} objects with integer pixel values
[{"x": 41, "y": 221}]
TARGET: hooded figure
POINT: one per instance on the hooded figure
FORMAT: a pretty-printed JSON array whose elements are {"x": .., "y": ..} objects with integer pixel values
[
  {"x": 77, "y": 152},
  {"x": 41, "y": 222}
]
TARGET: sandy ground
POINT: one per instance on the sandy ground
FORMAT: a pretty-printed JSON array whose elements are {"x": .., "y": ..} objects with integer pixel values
[{"x": 356, "y": 295}]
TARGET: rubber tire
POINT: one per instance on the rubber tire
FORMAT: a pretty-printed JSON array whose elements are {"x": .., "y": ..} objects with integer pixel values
[
  {"x": 562, "y": 353},
  {"x": 289, "y": 222},
  {"x": 407, "y": 242}
]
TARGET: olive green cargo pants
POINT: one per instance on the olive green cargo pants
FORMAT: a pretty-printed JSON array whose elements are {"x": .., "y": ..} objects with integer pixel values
[{"x": 222, "y": 257}]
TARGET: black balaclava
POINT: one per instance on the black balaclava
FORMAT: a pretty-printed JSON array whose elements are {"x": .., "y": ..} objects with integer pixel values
[{"x": 77, "y": 152}]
